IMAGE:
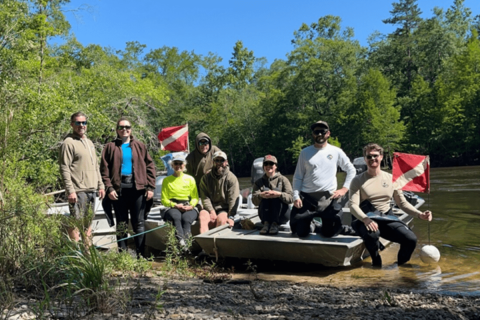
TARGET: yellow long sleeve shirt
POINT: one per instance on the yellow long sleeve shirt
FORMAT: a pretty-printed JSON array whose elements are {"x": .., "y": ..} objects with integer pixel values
[{"x": 179, "y": 188}]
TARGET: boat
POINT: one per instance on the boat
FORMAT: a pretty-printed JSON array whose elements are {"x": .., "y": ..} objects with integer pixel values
[{"x": 341, "y": 250}]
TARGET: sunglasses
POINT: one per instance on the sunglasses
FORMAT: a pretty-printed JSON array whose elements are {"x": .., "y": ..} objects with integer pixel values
[
  {"x": 219, "y": 160},
  {"x": 177, "y": 163},
  {"x": 80, "y": 123},
  {"x": 320, "y": 132},
  {"x": 372, "y": 156},
  {"x": 203, "y": 143},
  {"x": 124, "y": 127},
  {"x": 268, "y": 163}
]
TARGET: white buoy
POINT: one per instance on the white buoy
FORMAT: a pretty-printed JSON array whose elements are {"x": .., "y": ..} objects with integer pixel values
[{"x": 429, "y": 254}]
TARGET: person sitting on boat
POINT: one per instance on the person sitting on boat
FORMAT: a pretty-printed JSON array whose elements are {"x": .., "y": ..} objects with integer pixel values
[
  {"x": 219, "y": 191},
  {"x": 128, "y": 173},
  {"x": 370, "y": 202},
  {"x": 200, "y": 160},
  {"x": 180, "y": 195},
  {"x": 272, "y": 193},
  {"x": 315, "y": 191}
]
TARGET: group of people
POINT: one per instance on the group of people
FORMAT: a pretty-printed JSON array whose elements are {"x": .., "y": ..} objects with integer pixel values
[{"x": 203, "y": 187}]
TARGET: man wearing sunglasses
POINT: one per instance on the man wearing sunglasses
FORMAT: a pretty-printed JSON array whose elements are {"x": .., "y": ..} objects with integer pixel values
[
  {"x": 315, "y": 191},
  {"x": 370, "y": 202},
  {"x": 219, "y": 191},
  {"x": 200, "y": 160},
  {"x": 80, "y": 174}
]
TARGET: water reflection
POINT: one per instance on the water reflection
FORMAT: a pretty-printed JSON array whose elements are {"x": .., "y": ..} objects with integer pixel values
[{"x": 455, "y": 202}]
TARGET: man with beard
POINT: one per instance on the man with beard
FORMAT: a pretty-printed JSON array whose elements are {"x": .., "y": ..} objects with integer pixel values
[
  {"x": 315, "y": 191},
  {"x": 219, "y": 190},
  {"x": 200, "y": 160}
]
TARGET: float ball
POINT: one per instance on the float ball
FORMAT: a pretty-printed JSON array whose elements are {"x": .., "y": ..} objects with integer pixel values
[{"x": 429, "y": 254}]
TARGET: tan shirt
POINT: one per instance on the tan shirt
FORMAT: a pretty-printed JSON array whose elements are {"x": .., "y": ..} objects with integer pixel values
[
  {"x": 79, "y": 165},
  {"x": 379, "y": 191}
]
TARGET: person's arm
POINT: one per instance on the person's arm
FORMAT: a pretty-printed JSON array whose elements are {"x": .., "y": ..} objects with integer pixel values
[
  {"x": 256, "y": 198},
  {"x": 65, "y": 160},
  {"x": 298, "y": 177},
  {"x": 233, "y": 192},
  {"x": 354, "y": 205},
  {"x": 205, "y": 194},
  {"x": 104, "y": 170},
  {"x": 166, "y": 196},
  {"x": 403, "y": 204},
  {"x": 193, "y": 193},
  {"x": 151, "y": 171},
  {"x": 346, "y": 165},
  {"x": 287, "y": 192}
]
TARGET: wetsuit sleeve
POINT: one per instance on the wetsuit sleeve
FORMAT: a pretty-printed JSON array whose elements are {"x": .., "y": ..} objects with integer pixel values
[
  {"x": 354, "y": 203},
  {"x": 403, "y": 204},
  {"x": 287, "y": 192},
  {"x": 65, "y": 161},
  {"x": 205, "y": 194},
  {"x": 298, "y": 177},
  {"x": 233, "y": 192}
]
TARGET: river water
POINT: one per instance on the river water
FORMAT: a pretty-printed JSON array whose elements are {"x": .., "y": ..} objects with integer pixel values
[{"x": 455, "y": 230}]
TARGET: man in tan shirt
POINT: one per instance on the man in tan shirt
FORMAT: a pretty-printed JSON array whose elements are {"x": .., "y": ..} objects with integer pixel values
[
  {"x": 373, "y": 191},
  {"x": 80, "y": 174}
]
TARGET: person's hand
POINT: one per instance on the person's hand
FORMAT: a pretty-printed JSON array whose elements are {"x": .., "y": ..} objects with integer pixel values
[
  {"x": 370, "y": 224},
  {"x": 273, "y": 194},
  {"x": 72, "y": 197},
  {"x": 101, "y": 194},
  {"x": 179, "y": 206},
  {"x": 113, "y": 195},
  {"x": 187, "y": 208},
  {"x": 427, "y": 215},
  {"x": 213, "y": 216},
  {"x": 230, "y": 222},
  {"x": 298, "y": 203},
  {"x": 339, "y": 193},
  {"x": 149, "y": 194}
]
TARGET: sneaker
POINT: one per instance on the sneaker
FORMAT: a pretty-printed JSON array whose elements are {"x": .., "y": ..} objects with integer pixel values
[
  {"x": 273, "y": 228},
  {"x": 265, "y": 228}
]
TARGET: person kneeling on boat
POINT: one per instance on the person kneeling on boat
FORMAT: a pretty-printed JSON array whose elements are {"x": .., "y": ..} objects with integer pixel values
[
  {"x": 372, "y": 191},
  {"x": 272, "y": 193},
  {"x": 315, "y": 190},
  {"x": 219, "y": 191},
  {"x": 179, "y": 193}
]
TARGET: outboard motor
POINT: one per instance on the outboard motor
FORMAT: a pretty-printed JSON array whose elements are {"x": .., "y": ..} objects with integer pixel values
[
  {"x": 360, "y": 164},
  {"x": 257, "y": 170}
]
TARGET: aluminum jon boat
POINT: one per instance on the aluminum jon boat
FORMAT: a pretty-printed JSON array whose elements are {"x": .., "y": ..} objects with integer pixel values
[{"x": 340, "y": 250}]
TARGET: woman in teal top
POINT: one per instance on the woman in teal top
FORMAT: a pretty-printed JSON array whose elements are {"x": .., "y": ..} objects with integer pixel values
[{"x": 179, "y": 193}]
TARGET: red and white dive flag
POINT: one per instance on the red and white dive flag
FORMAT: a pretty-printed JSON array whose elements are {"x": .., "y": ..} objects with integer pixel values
[
  {"x": 411, "y": 172},
  {"x": 174, "y": 138}
]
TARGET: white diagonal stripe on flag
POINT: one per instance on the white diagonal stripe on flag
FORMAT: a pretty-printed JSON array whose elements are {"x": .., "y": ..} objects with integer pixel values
[
  {"x": 408, "y": 176},
  {"x": 175, "y": 136}
]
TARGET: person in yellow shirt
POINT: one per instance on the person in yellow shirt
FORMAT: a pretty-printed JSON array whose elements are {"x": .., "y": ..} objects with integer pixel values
[{"x": 180, "y": 195}]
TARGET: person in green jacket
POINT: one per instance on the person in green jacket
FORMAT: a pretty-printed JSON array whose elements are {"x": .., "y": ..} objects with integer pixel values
[
  {"x": 180, "y": 195},
  {"x": 80, "y": 174}
]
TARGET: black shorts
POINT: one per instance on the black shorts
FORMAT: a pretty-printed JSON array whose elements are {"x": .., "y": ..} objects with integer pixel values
[{"x": 83, "y": 209}]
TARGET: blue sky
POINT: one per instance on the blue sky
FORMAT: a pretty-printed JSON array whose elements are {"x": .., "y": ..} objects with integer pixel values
[{"x": 264, "y": 26}]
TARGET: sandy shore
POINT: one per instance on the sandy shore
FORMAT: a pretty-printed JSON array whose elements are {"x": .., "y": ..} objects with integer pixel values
[{"x": 159, "y": 298}]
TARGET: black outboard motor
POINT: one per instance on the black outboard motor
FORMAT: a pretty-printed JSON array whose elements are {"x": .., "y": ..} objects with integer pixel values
[{"x": 360, "y": 164}]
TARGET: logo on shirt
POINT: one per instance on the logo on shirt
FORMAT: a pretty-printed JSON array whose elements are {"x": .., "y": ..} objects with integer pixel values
[
  {"x": 329, "y": 157},
  {"x": 385, "y": 185}
]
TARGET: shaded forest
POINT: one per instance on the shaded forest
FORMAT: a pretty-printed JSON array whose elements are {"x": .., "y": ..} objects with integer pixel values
[{"x": 415, "y": 90}]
